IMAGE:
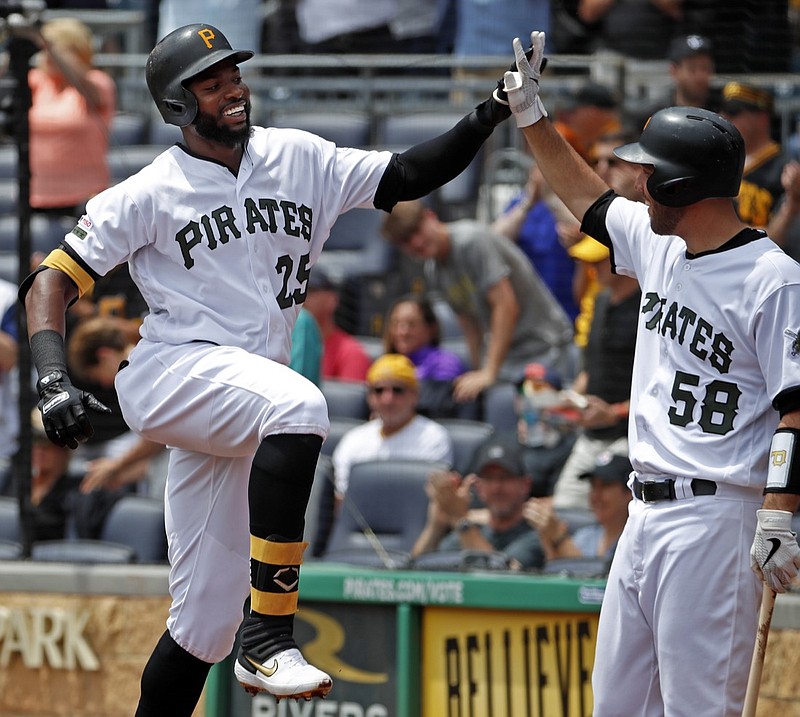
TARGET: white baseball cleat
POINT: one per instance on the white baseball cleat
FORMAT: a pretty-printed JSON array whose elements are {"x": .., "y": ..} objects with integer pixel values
[{"x": 285, "y": 674}]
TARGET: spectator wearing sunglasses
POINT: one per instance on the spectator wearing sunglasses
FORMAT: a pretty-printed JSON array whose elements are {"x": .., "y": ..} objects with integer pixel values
[{"x": 396, "y": 429}]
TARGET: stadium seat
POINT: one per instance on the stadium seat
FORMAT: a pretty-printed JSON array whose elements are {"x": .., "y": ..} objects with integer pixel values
[
  {"x": 163, "y": 135},
  {"x": 345, "y": 399},
  {"x": 461, "y": 561},
  {"x": 319, "y": 512},
  {"x": 8, "y": 161},
  {"x": 127, "y": 128},
  {"x": 9, "y": 194},
  {"x": 401, "y": 131},
  {"x": 46, "y": 232},
  {"x": 579, "y": 567},
  {"x": 370, "y": 558},
  {"x": 498, "y": 407},
  {"x": 9, "y": 519},
  {"x": 458, "y": 346},
  {"x": 457, "y": 198},
  {"x": 8, "y": 265},
  {"x": 82, "y": 551},
  {"x": 355, "y": 246},
  {"x": 373, "y": 346},
  {"x": 339, "y": 426},
  {"x": 138, "y": 522},
  {"x": 449, "y": 326},
  {"x": 466, "y": 436},
  {"x": 345, "y": 129},
  {"x": 125, "y": 161},
  {"x": 384, "y": 508},
  {"x": 10, "y": 550}
]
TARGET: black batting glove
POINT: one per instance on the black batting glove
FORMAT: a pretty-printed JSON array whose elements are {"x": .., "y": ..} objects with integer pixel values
[{"x": 63, "y": 409}]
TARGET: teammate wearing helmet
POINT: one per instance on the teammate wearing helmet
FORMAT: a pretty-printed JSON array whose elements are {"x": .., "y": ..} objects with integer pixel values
[
  {"x": 221, "y": 233},
  {"x": 714, "y": 412}
]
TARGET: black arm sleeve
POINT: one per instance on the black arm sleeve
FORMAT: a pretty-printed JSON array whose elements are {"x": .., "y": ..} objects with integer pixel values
[
  {"x": 426, "y": 166},
  {"x": 787, "y": 401}
]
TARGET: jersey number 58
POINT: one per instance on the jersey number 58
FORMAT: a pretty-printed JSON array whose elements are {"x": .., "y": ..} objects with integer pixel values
[{"x": 718, "y": 407}]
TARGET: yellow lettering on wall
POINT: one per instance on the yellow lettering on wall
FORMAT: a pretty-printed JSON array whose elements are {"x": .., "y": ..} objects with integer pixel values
[{"x": 480, "y": 663}]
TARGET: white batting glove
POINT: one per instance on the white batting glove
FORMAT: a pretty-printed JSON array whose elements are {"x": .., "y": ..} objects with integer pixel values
[
  {"x": 775, "y": 555},
  {"x": 522, "y": 86}
]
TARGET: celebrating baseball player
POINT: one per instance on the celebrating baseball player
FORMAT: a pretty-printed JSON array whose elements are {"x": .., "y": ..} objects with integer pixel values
[
  {"x": 221, "y": 233},
  {"x": 715, "y": 409}
]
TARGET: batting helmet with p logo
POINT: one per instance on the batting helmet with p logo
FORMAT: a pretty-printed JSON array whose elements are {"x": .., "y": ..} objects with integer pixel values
[{"x": 176, "y": 59}]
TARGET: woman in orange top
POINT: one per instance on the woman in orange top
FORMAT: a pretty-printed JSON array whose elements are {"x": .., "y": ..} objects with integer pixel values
[{"x": 72, "y": 107}]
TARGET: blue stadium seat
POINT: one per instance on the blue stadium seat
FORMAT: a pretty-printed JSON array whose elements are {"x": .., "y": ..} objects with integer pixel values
[
  {"x": 339, "y": 426},
  {"x": 46, "y": 232},
  {"x": 81, "y": 551},
  {"x": 126, "y": 160},
  {"x": 9, "y": 519},
  {"x": 355, "y": 246},
  {"x": 384, "y": 508},
  {"x": 466, "y": 436},
  {"x": 319, "y": 512},
  {"x": 578, "y": 567},
  {"x": 138, "y": 522},
  {"x": 498, "y": 407},
  {"x": 345, "y": 129},
  {"x": 10, "y": 550},
  {"x": 8, "y": 161},
  {"x": 345, "y": 399},
  {"x": 163, "y": 135},
  {"x": 449, "y": 325},
  {"x": 457, "y": 198},
  {"x": 128, "y": 128}
]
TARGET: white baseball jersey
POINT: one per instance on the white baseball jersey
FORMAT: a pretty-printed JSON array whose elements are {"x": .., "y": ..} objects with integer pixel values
[
  {"x": 221, "y": 257},
  {"x": 223, "y": 262},
  {"x": 717, "y": 342}
]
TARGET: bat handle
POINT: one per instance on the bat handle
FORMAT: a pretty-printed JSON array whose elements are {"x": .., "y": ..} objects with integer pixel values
[{"x": 759, "y": 651}]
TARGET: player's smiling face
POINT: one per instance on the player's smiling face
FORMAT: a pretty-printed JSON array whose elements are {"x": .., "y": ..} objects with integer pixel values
[{"x": 223, "y": 101}]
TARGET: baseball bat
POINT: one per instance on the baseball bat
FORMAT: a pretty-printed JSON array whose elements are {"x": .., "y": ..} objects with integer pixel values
[{"x": 759, "y": 651}]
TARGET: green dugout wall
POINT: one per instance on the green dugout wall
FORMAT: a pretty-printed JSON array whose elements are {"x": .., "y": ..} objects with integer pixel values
[{"x": 435, "y": 644}]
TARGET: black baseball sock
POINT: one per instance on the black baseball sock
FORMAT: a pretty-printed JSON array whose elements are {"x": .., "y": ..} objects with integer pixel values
[
  {"x": 172, "y": 681},
  {"x": 279, "y": 489},
  {"x": 280, "y": 484}
]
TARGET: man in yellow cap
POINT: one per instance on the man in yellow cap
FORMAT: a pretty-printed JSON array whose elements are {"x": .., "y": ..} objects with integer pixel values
[
  {"x": 396, "y": 430},
  {"x": 750, "y": 109}
]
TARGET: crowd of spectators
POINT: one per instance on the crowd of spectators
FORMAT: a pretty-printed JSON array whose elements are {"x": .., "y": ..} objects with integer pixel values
[{"x": 538, "y": 308}]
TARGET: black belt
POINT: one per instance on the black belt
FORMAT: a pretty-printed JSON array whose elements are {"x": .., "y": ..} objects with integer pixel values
[{"x": 651, "y": 491}]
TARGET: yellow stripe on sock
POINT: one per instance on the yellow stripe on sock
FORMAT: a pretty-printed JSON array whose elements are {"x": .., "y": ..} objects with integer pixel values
[
  {"x": 273, "y": 603},
  {"x": 273, "y": 553}
]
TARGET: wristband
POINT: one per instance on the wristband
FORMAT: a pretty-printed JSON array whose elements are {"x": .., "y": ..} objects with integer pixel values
[
  {"x": 464, "y": 525},
  {"x": 783, "y": 472},
  {"x": 47, "y": 351}
]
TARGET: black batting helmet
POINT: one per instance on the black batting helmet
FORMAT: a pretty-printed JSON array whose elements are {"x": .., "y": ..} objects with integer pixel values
[
  {"x": 176, "y": 59},
  {"x": 696, "y": 154}
]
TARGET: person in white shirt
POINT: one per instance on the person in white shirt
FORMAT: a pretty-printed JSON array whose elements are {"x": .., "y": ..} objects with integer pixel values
[{"x": 396, "y": 430}]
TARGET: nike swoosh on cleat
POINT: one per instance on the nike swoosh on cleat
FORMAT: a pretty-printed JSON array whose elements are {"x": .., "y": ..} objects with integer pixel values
[
  {"x": 268, "y": 671},
  {"x": 776, "y": 544}
]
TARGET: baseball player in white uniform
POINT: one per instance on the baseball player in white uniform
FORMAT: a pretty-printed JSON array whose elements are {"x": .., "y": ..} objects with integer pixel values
[
  {"x": 715, "y": 409},
  {"x": 221, "y": 233}
]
